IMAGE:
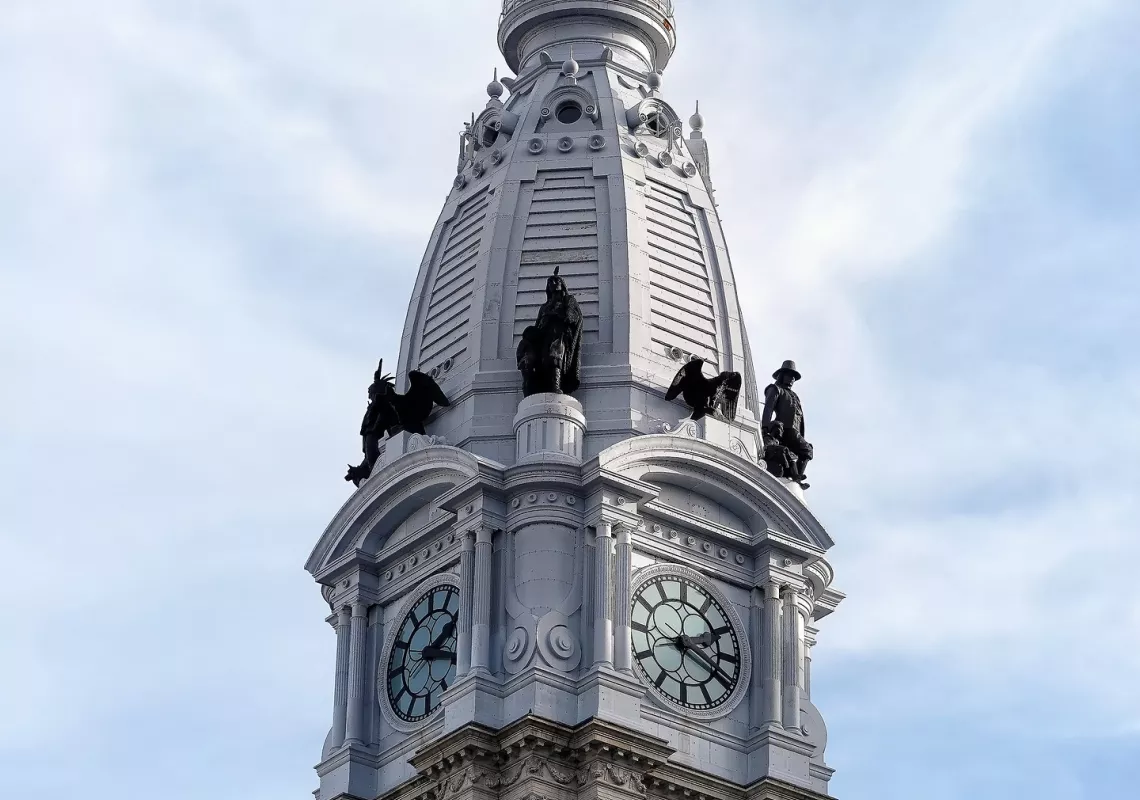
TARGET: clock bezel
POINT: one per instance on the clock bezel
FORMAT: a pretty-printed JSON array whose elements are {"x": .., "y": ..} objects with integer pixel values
[
  {"x": 646, "y": 574},
  {"x": 397, "y": 620}
]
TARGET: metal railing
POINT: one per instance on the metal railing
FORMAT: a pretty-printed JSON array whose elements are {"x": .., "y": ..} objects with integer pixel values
[{"x": 664, "y": 6}]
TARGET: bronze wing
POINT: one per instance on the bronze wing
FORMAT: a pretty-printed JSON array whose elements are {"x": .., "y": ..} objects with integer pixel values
[
  {"x": 728, "y": 393},
  {"x": 677, "y": 386},
  {"x": 423, "y": 387}
]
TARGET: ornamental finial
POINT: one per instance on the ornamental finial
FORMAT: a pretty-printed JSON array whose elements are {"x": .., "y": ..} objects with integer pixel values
[
  {"x": 570, "y": 66},
  {"x": 697, "y": 122},
  {"x": 495, "y": 89}
]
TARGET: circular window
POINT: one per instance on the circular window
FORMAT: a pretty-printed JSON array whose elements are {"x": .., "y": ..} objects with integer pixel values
[{"x": 568, "y": 113}]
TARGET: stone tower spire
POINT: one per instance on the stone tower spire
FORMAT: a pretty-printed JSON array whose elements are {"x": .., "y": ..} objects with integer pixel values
[{"x": 570, "y": 589}]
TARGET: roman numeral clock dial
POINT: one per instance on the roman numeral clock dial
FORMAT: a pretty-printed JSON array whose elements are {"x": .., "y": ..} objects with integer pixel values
[
  {"x": 685, "y": 645},
  {"x": 421, "y": 663}
]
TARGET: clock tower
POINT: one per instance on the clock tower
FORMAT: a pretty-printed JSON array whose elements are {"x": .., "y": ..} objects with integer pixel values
[{"x": 576, "y": 589}]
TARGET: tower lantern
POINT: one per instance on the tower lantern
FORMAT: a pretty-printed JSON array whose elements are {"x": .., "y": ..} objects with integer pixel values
[
  {"x": 578, "y": 562},
  {"x": 641, "y": 33}
]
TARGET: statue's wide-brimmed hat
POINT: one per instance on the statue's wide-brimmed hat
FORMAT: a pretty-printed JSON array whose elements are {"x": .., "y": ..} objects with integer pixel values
[{"x": 788, "y": 366}]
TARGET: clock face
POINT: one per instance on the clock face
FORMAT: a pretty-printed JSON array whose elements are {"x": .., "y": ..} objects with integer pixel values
[
  {"x": 683, "y": 642},
  {"x": 422, "y": 661}
]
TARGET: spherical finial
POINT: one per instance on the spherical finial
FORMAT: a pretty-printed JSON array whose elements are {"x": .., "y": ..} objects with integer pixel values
[
  {"x": 494, "y": 88},
  {"x": 653, "y": 80},
  {"x": 697, "y": 122},
  {"x": 570, "y": 66}
]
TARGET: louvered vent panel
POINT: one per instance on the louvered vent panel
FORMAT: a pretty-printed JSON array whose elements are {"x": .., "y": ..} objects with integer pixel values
[
  {"x": 449, "y": 310},
  {"x": 561, "y": 231},
  {"x": 681, "y": 300}
]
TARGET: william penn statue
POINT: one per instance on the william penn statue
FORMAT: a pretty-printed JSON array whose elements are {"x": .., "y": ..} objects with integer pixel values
[{"x": 550, "y": 353}]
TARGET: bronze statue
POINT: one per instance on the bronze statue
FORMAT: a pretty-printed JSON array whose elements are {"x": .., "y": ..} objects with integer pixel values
[
  {"x": 779, "y": 460},
  {"x": 717, "y": 395},
  {"x": 389, "y": 412},
  {"x": 782, "y": 405},
  {"x": 549, "y": 356}
]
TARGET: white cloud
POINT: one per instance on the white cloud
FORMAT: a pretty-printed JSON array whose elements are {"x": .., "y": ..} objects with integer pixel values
[{"x": 180, "y": 427}]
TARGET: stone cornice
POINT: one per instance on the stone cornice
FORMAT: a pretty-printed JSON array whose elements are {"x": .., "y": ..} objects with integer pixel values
[
  {"x": 549, "y": 752},
  {"x": 547, "y": 760}
]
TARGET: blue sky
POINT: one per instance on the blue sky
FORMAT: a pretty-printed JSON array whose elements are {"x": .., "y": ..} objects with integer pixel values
[{"x": 211, "y": 215}]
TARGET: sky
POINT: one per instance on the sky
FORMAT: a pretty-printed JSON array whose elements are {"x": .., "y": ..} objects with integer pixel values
[{"x": 211, "y": 217}]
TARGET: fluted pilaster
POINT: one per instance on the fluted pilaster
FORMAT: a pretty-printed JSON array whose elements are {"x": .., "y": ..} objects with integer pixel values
[
  {"x": 466, "y": 600},
  {"x": 623, "y": 655},
  {"x": 756, "y": 638},
  {"x": 357, "y": 647},
  {"x": 771, "y": 662},
  {"x": 340, "y": 685},
  {"x": 603, "y": 595},
  {"x": 793, "y": 659},
  {"x": 481, "y": 622}
]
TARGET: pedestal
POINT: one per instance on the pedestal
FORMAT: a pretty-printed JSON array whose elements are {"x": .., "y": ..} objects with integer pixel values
[{"x": 550, "y": 428}]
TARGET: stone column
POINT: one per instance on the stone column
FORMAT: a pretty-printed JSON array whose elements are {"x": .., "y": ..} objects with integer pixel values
[
  {"x": 771, "y": 678},
  {"x": 809, "y": 642},
  {"x": 481, "y": 616},
  {"x": 340, "y": 687},
  {"x": 793, "y": 659},
  {"x": 357, "y": 647},
  {"x": 603, "y": 595},
  {"x": 466, "y": 604},
  {"x": 623, "y": 643},
  {"x": 756, "y": 639}
]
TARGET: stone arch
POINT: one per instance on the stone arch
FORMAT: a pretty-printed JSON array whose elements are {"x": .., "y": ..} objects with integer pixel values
[
  {"x": 565, "y": 96},
  {"x": 741, "y": 485},
  {"x": 641, "y": 117},
  {"x": 388, "y": 498}
]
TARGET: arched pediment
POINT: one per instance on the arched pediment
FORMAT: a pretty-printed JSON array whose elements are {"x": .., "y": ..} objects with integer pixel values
[
  {"x": 742, "y": 487},
  {"x": 569, "y": 95},
  {"x": 654, "y": 116},
  {"x": 716, "y": 506},
  {"x": 388, "y": 499}
]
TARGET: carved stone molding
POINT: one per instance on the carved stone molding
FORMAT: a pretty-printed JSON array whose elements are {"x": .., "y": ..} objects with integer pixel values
[
  {"x": 534, "y": 757},
  {"x": 612, "y": 774}
]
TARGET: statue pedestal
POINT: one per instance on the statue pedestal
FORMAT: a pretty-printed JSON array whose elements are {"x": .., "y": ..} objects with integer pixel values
[
  {"x": 793, "y": 488},
  {"x": 550, "y": 427}
]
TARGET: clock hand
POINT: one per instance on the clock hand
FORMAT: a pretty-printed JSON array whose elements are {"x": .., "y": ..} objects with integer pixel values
[
  {"x": 689, "y": 643},
  {"x": 704, "y": 640},
  {"x": 432, "y": 653},
  {"x": 448, "y": 630},
  {"x": 416, "y": 671}
]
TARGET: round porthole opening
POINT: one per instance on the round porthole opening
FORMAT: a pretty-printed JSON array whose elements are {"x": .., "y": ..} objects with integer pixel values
[
  {"x": 654, "y": 124},
  {"x": 568, "y": 113}
]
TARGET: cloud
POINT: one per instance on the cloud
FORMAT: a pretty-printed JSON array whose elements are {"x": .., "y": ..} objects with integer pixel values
[{"x": 211, "y": 219}]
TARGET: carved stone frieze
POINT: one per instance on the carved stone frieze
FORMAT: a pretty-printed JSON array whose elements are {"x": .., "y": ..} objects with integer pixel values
[
  {"x": 533, "y": 757},
  {"x": 613, "y": 774}
]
